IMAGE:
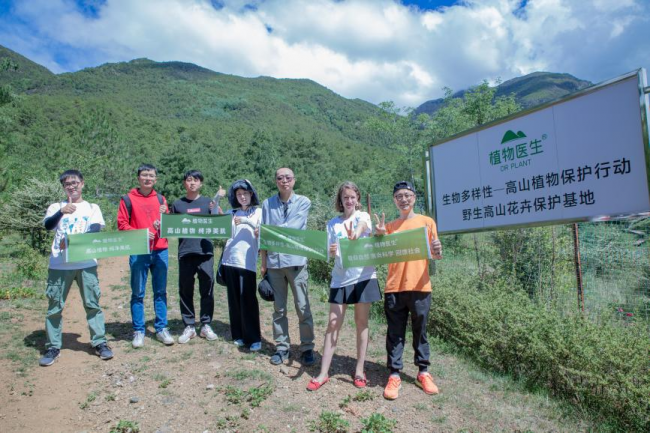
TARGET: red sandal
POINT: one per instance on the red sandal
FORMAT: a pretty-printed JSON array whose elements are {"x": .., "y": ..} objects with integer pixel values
[
  {"x": 360, "y": 382},
  {"x": 315, "y": 385}
]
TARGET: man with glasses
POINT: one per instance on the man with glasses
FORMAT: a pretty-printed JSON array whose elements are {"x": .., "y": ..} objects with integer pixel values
[
  {"x": 75, "y": 215},
  {"x": 408, "y": 290},
  {"x": 287, "y": 209},
  {"x": 141, "y": 209}
]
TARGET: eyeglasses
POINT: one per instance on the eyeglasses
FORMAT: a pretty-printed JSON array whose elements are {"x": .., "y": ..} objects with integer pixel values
[
  {"x": 400, "y": 197},
  {"x": 71, "y": 184},
  {"x": 281, "y": 178},
  {"x": 147, "y": 176}
]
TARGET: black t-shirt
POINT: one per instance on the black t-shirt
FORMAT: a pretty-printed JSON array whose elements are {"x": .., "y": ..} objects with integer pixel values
[{"x": 200, "y": 206}]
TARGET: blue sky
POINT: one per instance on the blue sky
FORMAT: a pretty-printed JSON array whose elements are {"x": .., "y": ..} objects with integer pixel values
[
  {"x": 428, "y": 4},
  {"x": 405, "y": 51}
]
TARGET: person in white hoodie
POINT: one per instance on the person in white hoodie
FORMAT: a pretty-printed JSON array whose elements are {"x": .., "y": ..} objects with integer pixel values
[{"x": 240, "y": 265}]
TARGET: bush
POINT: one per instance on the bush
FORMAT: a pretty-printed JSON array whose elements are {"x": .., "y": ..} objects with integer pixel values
[
  {"x": 24, "y": 209},
  {"x": 603, "y": 367},
  {"x": 30, "y": 264}
]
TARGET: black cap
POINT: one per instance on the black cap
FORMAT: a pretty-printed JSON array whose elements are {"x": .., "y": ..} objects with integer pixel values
[
  {"x": 265, "y": 289},
  {"x": 404, "y": 185}
]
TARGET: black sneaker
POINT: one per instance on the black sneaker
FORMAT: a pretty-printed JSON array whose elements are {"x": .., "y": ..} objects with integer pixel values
[
  {"x": 103, "y": 351},
  {"x": 279, "y": 357},
  {"x": 49, "y": 357},
  {"x": 308, "y": 358}
]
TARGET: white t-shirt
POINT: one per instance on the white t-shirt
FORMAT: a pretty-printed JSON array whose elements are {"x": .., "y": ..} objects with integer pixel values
[
  {"x": 79, "y": 221},
  {"x": 341, "y": 276},
  {"x": 241, "y": 250}
]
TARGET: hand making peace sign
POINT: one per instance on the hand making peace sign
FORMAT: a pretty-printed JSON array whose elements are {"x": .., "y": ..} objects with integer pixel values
[
  {"x": 352, "y": 235},
  {"x": 380, "y": 226}
]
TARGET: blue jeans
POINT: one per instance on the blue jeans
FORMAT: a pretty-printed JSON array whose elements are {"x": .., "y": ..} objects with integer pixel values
[{"x": 140, "y": 265}]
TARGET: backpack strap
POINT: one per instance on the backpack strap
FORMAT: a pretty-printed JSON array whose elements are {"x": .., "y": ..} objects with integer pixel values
[
  {"x": 127, "y": 203},
  {"x": 129, "y": 206}
]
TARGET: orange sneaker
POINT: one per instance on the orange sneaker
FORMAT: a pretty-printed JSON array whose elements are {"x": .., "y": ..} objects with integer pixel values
[
  {"x": 425, "y": 381},
  {"x": 391, "y": 392}
]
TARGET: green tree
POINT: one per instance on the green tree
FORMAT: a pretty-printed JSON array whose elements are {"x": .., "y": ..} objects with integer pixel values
[
  {"x": 24, "y": 209},
  {"x": 396, "y": 129},
  {"x": 6, "y": 97},
  {"x": 171, "y": 169},
  {"x": 477, "y": 107}
]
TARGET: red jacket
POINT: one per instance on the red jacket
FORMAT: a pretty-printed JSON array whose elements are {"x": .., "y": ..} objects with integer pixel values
[{"x": 145, "y": 209}]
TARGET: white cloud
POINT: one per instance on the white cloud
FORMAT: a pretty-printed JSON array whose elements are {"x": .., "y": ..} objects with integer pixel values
[{"x": 371, "y": 49}]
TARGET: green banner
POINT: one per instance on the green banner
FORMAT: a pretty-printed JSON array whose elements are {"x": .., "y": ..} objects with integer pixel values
[
  {"x": 304, "y": 243},
  {"x": 380, "y": 250},
  {"x": 87, "y": 246},
  {"x": 196, "y": 226}
]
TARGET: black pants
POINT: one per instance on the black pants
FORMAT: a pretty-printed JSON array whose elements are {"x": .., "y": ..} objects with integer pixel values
[
  {"x": 397, "y": 307},
  {"x": 203, "y": 267},
  {"x": 243, "y": 308}
]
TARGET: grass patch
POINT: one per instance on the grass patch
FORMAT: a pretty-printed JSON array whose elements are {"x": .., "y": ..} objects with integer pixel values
[
  {"x": 124, "y": 426},
  {"x": 329, "y": 422},
  {"x": 91, "y": 397},
  {"x": 365, "y": 395},
  {"x": 21, "y": 293},
  {"x": 18, "y": 347},
  {"x": 250, "y": 375},
  {"x": 378, "y": 423},
  {"x": 234, "y": 395}
]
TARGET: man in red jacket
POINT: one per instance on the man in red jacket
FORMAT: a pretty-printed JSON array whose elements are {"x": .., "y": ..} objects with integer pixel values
[{"x": 141, "y": 209}]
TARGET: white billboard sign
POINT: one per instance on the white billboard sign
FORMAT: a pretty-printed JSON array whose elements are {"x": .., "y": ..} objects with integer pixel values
[{"x": 581, "y": 158}]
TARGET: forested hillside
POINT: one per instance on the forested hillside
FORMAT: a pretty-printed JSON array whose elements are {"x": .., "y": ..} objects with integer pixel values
[{"x": 109, "y": 119}]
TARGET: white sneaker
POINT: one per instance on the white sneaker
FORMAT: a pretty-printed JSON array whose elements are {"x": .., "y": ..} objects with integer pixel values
[
  {"x": 138, "y": 339},
  {"x": 208, "y": 333},
  {"x": 188, "y": 333},
  {"x": 165, "y": 337},
  {"x": 238, "y": 343}
]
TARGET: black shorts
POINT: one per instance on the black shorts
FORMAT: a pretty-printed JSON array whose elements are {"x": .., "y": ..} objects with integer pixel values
[{"x": 361, "y": 292}]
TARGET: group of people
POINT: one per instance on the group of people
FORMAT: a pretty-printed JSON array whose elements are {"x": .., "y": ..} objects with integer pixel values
[{"x": 407, "y": 290}]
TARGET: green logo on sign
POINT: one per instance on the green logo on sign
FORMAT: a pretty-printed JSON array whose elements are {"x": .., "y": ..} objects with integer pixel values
[
  {"x": 511, "y": 135},
  {"x": 517, "y": 151}
]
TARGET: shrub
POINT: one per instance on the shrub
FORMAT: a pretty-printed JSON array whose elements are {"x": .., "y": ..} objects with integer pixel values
[
  {"x": 30, "y": 264},
  {"x": 599, "y": 366}
]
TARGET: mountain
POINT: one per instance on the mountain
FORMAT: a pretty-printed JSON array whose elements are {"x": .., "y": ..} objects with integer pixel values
[
  {"x": 530, "y": 90},
  {"x": 27, "y": 76},
  {"x": 108, "y": 119}
]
